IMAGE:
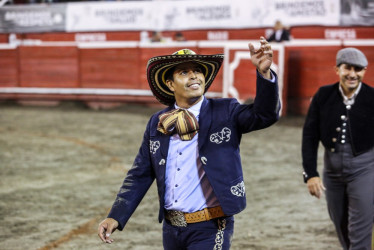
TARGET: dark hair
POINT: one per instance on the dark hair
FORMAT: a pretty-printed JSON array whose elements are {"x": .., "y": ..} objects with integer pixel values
[{"x": 169, "y": 74}]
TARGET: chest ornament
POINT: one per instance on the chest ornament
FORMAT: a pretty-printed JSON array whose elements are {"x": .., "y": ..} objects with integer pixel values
[
  {"x": 222, "y": 136},
  {"x": 153, "y": 146}
]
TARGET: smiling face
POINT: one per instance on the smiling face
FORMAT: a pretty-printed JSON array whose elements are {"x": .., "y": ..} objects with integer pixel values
[
  {"x": 187, "y": 83},
  {"x": 350, "y": 77}
]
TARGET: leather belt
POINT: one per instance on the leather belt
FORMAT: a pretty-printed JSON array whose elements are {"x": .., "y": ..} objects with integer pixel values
[{"x": 181, "y": 219}]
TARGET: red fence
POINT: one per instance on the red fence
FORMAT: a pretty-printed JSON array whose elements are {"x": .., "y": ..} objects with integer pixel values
[{"x": 114, "y": 72}]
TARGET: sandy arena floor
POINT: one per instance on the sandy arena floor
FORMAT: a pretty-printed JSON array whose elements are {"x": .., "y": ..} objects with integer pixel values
[{"x": 61, "y": 168}]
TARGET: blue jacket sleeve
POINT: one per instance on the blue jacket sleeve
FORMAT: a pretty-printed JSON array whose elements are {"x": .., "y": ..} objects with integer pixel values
[
  {"x": 137, "y": 182},
  {"x": 265, "y": 109}
]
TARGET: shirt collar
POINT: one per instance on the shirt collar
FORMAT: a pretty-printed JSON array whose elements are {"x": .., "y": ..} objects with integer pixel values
[
  {"x": 350, "y": 100},
  {"x": 278, "y": 34},
  {"x": 195, "y": 109}
]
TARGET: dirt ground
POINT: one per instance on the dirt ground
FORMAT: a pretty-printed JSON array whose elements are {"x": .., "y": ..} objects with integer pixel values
[{"x": 62, "y": 166}]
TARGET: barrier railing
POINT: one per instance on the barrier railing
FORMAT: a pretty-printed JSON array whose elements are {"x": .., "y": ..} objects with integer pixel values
[{"x": 228, "y": 83}]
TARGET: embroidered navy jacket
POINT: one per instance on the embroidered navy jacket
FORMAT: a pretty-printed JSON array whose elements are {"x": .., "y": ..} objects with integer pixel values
[{"x": 222, "y": 123}]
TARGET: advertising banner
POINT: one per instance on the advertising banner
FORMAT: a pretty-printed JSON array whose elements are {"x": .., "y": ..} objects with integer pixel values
[
  {"x": 304, "y": 12},
  {"x": 357, "y": 12},
  {"x": 222, "y": 14},
  {"x": 177, "y": 15},
  {"x": 192, "y": 14},
  {"x": 109, "y": 16},
  {"x": 32, "y": 18}
]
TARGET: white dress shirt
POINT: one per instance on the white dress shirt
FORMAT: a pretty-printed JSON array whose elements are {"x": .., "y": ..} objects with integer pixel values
[{"x": 187, "y": 186}]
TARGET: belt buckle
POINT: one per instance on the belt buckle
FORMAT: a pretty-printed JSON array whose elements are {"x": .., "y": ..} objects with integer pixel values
[{"x": 176, "y": 218}]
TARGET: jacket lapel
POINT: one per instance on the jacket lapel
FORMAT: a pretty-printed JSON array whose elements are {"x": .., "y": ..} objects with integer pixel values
[
  {"x": 205, "y": 120},
  {"x": 164, "y": 139}
]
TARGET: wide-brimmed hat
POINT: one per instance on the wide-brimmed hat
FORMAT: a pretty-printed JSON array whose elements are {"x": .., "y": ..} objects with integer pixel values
[{"x": 158, "y": 67}]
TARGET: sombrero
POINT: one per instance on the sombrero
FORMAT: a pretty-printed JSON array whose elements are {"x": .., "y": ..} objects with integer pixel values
[{"x": 158, "y": 67}]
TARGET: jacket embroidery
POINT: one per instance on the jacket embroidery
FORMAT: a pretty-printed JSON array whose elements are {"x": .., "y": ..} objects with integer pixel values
[
  {"x": 222, "y": 136},
  {"x": 238, "y": 189},
  {"x": 153, "y": 146},
  {"x": 219, "y": 235}
]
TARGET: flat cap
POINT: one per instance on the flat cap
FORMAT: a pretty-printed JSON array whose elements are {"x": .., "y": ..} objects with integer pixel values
[{"x": 351, "y": 56}]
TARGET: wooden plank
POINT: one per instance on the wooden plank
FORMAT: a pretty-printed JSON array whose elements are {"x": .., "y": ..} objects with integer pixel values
[
  {"x": 48, "y": 66},
  {"x": 4, "y": 38},
  {"x": 109, "y": 68},
  {"x": 72, "y": 36},
  {"x": 8, "y": 68}
]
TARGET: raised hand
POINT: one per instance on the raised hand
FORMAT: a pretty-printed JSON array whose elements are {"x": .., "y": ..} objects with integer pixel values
[{"x": 262, "y": 58}]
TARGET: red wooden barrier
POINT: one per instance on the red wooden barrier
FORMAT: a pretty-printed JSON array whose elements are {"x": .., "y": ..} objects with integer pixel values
[
  {"x": 307, "y": 67},
  {"x": 48, "y": 66},
  {"x": 297, "y": 32},
  {"x": 8, "y": 67},
  {"x": 109, "y": 68}
]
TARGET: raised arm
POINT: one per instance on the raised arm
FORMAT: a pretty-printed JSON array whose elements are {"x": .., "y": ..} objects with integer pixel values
[{"x": 265, "y": 109}]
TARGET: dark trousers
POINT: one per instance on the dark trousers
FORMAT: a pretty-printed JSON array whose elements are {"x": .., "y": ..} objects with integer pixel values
[
  {"x": 349, "y": 183},
  {"x": 214, "y": 234}
]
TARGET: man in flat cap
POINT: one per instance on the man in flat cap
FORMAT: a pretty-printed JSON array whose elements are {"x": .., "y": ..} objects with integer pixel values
[
  {"x": 192, "y": 150},
  {"x": 341, "y": 116}
]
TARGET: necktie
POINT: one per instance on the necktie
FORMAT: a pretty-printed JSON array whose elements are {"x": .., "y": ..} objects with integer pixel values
[{"x": 180, "y": 121}]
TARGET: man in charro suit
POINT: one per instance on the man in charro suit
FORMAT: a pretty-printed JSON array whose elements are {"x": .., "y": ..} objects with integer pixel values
[
  {"x": 341, "y": 116},
  {"x": 191, "y": 148}
]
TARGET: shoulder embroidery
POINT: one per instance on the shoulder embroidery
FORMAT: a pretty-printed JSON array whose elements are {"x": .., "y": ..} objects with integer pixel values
[
  {"x": 238, "y": 189},
  {"x": 153, "y": 146},
  {"x": 219, "y": 137}
]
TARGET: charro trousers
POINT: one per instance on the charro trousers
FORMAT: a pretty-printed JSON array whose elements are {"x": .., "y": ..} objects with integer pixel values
[
  {"x": 214, "y": 234},
  {"x": 349, "y": 183}
]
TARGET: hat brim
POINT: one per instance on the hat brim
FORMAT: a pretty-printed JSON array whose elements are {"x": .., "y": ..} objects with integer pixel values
[{"x": 158, "y": 67}]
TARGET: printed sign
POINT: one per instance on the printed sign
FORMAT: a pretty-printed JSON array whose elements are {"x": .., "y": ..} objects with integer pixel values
[
  {"x": 176, "y": 15},
  {"x": 32, "y": 18},
  {"x": 108, "y": 16}
]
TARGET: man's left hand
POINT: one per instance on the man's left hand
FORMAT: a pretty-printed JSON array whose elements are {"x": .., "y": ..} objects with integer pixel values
[{"x": 262, "y": 58}]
